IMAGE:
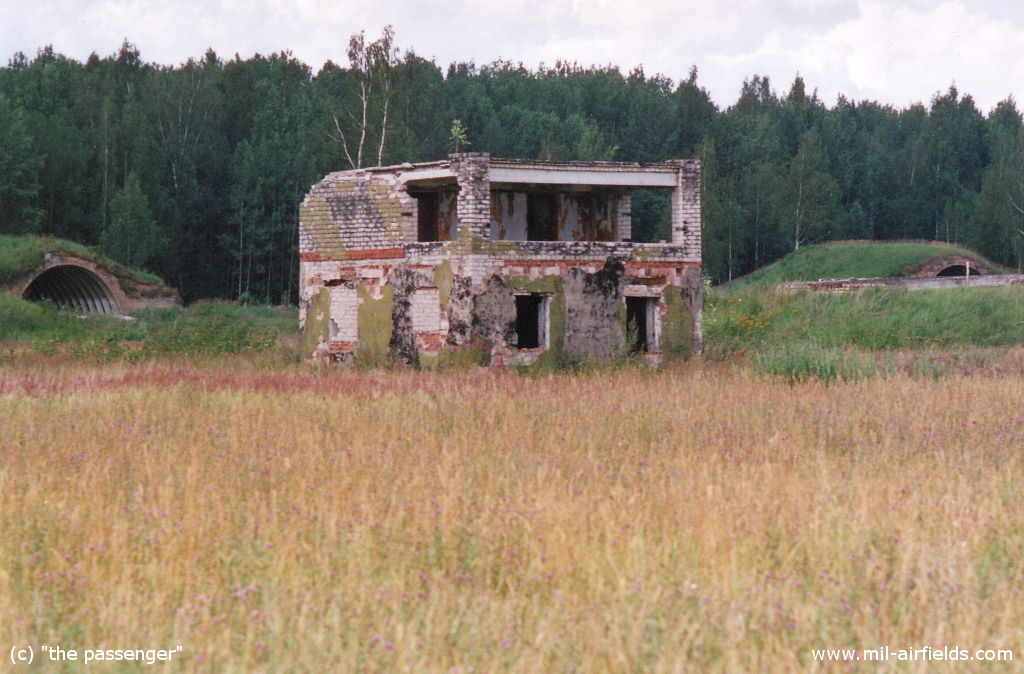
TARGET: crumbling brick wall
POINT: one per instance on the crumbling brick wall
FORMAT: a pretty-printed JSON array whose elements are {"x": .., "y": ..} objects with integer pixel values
[{"x": 389, "y": 296}]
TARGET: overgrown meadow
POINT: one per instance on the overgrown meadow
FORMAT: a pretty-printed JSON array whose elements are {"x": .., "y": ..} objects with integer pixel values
[
  {"x": 837, "y": 472},
  {"x": 270, "y": 516}
]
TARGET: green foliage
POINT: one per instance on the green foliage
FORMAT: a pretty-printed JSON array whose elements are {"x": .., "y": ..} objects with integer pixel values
[
  {"x": 203, "y": 329},
  {"x": 26, "y": 321},
  {"x": 224, "y": 152},
  {"x": 457, "y": 138},
  {"x": 810, "y": 193},
  {"x": 593, "y": 145},
  {"x": 800, "y": 360},
  {"x": 19, "y": 169},
  {"x": 476, "y": 353},
  {"x": 652, "y": 216},
  {"x": 853, "y": 335},
  {"x": 360, "y": 99},
  {"x": 722, "y": 215},
  {"x": 132, "y": 236},
  {"x": 999, "y": 219},
  {"x": 209, "y": 333}
]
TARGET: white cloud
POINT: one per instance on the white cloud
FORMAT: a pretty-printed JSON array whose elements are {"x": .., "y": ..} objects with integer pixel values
[
  {"x": 896, "y": 51},
  {"x": 896, "y": 54}
]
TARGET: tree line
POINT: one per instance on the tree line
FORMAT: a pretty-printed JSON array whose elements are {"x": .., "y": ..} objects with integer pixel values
[{"x": 196, "y": 171}]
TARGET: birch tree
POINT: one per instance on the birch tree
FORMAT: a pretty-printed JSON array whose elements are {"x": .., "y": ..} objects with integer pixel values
[
  {"x": 360, "y": 120},
  {"x": 811, "y": 193}
]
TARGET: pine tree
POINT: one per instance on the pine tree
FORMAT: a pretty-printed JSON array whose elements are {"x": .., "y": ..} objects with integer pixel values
[
  {"x": 132, "y": 236},
  {"x": 19, "y": 171}
]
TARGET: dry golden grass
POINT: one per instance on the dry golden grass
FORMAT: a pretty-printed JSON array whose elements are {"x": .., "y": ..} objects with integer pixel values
[{"x": 693, "y": 520}]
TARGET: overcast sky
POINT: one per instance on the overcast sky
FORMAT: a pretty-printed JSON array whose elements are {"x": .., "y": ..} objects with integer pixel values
[{"x": 893, "y": 51}]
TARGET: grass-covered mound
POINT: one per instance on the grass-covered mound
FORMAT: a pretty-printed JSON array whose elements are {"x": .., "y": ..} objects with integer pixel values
[
  {"x": 855, "y": 259},
  {"x": 21, "y": 255},
  {"x": 859, "y": 333}
]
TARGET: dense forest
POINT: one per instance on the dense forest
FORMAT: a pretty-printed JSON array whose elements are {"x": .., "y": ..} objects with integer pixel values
[{"x": 196, "y": 171}]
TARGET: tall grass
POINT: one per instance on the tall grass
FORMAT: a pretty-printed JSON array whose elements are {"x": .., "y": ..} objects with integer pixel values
[
  {"x": 213, "y": 327},
  {"x": 772, "y": 322},
  {"x": 23, "y": 320},
  {"x": 692, "y": 520}
]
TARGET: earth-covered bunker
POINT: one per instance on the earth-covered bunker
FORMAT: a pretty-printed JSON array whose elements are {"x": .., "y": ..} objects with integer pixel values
[{"x": 89, "y": 286}]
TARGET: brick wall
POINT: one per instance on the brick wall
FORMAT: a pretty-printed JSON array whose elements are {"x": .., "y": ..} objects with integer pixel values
[
  {"x": 344, "y": 314},
  {"x": 474, "y": 200},
  {"x": 356, "y": 211},
  {"x": 358, "y": 230},
  {"x": 686, "y": 218}
]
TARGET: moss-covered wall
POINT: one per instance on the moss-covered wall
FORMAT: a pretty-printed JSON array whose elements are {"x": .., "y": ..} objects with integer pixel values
[
  {"x": 586, "y": 312},
  {"x": 375, "y": 323},
  {"x": 494, "y": 312},
  {"x": 592, "y": 327},
  {"x": 315, "y": 332},
  {"x": 443, "y": 277},
  {"x": 677, "y": 334},
  {"x": 555, "y": 289},
  {"x": 361, "y": 212}
]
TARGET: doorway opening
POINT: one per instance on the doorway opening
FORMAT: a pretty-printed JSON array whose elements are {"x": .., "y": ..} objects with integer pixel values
[{"x": 641, "y": 336}]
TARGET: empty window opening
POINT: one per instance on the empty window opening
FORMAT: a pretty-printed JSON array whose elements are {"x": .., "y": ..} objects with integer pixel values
[
  {"x": 651, "y": 215},
  {"x": 426, "y": 217},
  {"x": 531, "y": 321},
  {"x": 640, "y": 327},
  {"x": 541, "y": 217}
]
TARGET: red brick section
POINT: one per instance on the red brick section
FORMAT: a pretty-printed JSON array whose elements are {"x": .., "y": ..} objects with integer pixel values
[
  {"x": 429, "y": 341},
  {"x": 631, "y": 265},
  {"x": 375, "y": 253},
  {"x": 369, "y": 254}
]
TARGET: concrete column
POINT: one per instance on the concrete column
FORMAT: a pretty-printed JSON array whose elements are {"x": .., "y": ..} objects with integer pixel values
[
  {"x": 686, "y": 218},
  {"x": 473, "y": 205}
]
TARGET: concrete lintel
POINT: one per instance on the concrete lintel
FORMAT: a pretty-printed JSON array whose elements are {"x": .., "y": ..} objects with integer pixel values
[
  {"x": 578, "y": 176},
  {"x": 415, "y": 175}
]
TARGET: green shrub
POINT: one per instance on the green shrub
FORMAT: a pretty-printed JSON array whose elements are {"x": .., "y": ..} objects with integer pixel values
[
  {"x": 204, "y": 329},
  {"x": 21, "y": 320},
  {"x": 798, "y": 361}
]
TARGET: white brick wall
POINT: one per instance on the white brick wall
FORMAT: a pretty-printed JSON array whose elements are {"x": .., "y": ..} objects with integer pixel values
[
  {"x": 426, "y": 310},
  {"x": 344, "y": 314},
  {"x": 686, "y": 217}
]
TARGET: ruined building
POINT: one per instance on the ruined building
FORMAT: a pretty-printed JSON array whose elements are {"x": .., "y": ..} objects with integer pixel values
[{"x": 520, "y": 259}]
